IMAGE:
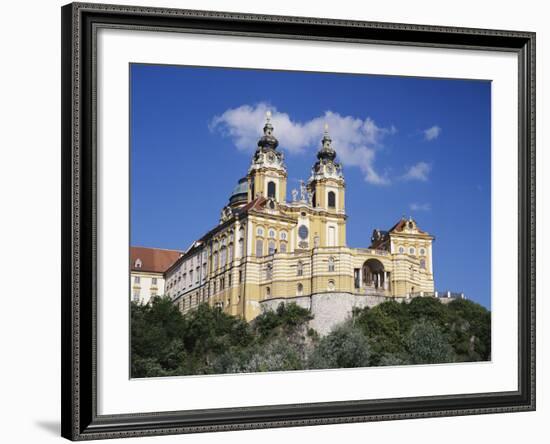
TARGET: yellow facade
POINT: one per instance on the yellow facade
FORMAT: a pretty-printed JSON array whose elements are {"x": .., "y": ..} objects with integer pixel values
[{"x": 269, "y": 247}]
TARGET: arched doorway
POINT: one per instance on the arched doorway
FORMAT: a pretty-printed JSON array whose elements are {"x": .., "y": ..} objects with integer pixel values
[{"x": 374, "y": 275}]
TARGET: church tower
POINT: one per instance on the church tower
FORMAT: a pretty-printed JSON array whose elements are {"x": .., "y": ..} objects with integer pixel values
[
  {"x": 267, "y": 173},
  {"x": 328, "y": 192}
]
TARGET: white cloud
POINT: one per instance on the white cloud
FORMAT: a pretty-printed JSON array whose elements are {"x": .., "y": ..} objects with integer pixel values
[
  {"x": 355, "y": 140},
  {"x": 420, "y": 207},
  {"x": 419, "y": 171},
  {"x": 432, "y": 133}
]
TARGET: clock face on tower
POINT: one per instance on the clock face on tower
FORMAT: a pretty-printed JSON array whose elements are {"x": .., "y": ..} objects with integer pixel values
[{"x": 303, "y": 232}]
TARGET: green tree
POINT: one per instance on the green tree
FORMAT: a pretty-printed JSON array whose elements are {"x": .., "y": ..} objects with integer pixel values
[
  {"x": 382, "y": 326},
  {"x": 427, "y": 344},
  {"x": 156, "y": 338},
  {"x": 469, "y": 329},
  {"x": 344, "y": 347}
]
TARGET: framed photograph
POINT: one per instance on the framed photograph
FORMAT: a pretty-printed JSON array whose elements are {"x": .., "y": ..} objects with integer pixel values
[{"x": 276, "y": 221}]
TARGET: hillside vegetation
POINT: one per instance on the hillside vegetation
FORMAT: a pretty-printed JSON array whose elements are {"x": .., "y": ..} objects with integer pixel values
[{"x": 207, "y": 341}]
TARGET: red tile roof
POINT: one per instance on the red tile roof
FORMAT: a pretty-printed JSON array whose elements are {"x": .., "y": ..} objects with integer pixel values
[
  {"x": 401, "y": 224},
  {"x": 155, "y": 260},
  {"x": 255, "y": 204}
]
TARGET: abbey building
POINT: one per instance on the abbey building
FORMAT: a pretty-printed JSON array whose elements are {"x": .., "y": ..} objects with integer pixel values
[{"x": 267, "y": 249}]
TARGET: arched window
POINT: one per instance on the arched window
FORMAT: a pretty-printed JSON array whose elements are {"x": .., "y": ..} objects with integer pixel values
[
  {"x": 300, "y": 268},
  {"x": 271, "y": 247},
  {"x": 299, "y": 289},
  {"x": 283, "y": 235},
  {"x": 331, "y": 286},
  {"x": 259, "y": 247},
  {"x": 267, "y": 292},
  {"x": 271, "y": 232},
  {"x": 330, "y": 264},
  {"x": 283, "y": 247},
  {"x": 260, "y": 231},
  {"x": 411, "y": 250},
  {"x": 331, "y": 199},
  {"x": 401, "y": 250},
  {"x": 271, "y": 189},
  {"x": 241, "y": 247}
]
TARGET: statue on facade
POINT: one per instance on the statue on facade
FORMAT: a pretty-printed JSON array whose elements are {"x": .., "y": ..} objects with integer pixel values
[{"x": 303, "y": 191}]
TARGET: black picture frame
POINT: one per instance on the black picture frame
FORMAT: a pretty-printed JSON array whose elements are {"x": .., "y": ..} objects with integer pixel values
[{"x": 80, "y": 420}]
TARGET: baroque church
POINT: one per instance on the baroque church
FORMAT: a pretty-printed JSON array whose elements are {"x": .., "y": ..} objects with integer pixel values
[{"x": 266, "y": 249}]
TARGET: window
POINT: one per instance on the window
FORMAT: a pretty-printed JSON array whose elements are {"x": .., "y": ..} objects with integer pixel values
[
  {"x": 267, "y": 291},
  {"x": 135, "y": 296},
  {"x": 215, "y": 261},
  {"x": 137, "y": 280},
  {"x": 271, "y": 249},
  {"x": 401, "y": 250},
  {"x": 423, "y": 264},
  {"x": 330, "y": 264},
  {"x": 138, "y": 263},
  {"x": 300, "y": 269},
  {"x": 356, "y": 278},
  {"x": 271, "y": 189},
  {"x": 229, "y": 280},
  {"x": 411, "y": 250},
  {"x": 230, "y": 253},
  {"x": 331, "y": 199},
  {"x": 422, "y": 251},
  {"x": 154, "y": 281},
  {"x": 197, "y": 275},
  {"x": 214, "y": 289},
  {"x": 223, "y": 256},
  {"x": 259, "y": 248},
  {"x": 283, "y": 235},
  {"x": 269, "y": 272},
  {"x": 190, "y": 277},
  {"x": 299, "y": 289},
  {"x": 260, "y": 231},
  {"x": 241, "y": 248},
  {"x": 283, "y": 247},
  {"x": 331, "y": 286},
  {"x": 240, "y": 276},
  {"x": 271, "y": 233},
  {"x": 331, "y": 236}
]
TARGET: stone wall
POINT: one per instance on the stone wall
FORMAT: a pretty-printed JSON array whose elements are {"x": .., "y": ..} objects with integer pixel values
[{"x": 328, "y": 309}]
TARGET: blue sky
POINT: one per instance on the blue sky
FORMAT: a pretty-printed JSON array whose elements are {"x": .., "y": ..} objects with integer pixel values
[{"x": 409, "y": 146}]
